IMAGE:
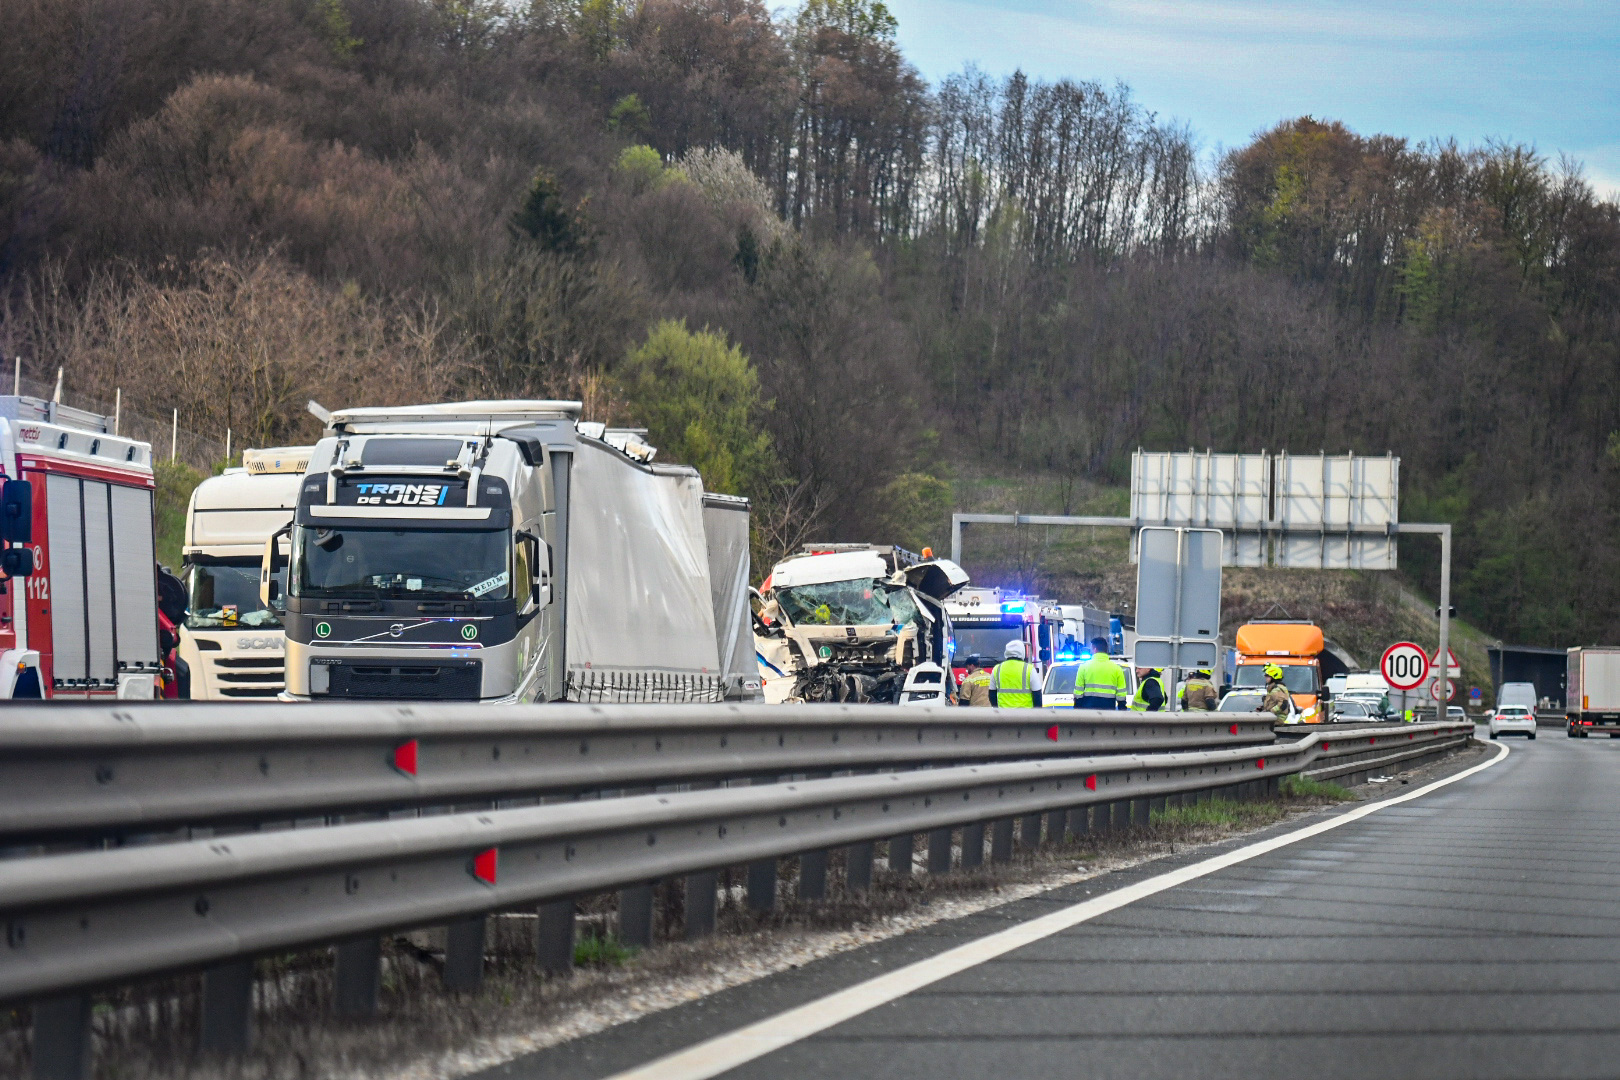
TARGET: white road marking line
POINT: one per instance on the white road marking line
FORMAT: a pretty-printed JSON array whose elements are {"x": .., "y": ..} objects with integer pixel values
[{"x": 723, "y": 1052}]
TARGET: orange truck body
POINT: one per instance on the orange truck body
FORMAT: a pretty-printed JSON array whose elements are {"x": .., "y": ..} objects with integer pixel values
[{"x": 1288, "y": 645}]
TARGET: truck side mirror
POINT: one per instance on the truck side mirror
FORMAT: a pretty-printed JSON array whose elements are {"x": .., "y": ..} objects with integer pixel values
[
  {"x": 270, "y": 569},
  {"x": 17, "y": 513},
  {"x": 17, "y": 562}
]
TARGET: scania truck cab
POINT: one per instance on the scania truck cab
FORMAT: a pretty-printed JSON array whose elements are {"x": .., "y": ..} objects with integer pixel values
[
  {"x": 504, "y": 551},
  {"x": 231, "y": 642}
]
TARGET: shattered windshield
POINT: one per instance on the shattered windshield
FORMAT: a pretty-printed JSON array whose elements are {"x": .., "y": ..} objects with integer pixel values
[{"x": 862, "y": 602}]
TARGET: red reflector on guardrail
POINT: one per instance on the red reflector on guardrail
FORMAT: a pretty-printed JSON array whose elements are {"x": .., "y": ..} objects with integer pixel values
[
  {"x": 485, "y": 864},
  {"x": 1372, "y": 742},
  {"x": 1051, "y": 733},
  {"x": 405, "y": 758},
  {"x": 1260, "y": 764},
  {"x": 1412, "y": 736},
  {"x": 1091, "y": 782},
  {"x": 1234, "y": 729}
]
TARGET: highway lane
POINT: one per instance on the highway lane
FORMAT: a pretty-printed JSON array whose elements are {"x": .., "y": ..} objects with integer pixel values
[{"x": 1474, "y": 932}]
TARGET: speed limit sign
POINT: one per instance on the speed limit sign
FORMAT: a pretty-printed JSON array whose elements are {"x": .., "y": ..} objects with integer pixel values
[{"x": 1405, "y": 666}]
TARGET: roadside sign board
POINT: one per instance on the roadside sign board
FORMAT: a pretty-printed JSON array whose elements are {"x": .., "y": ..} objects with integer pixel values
[
  {"x": 1405, "y": 665},
  {"x": 1475, "y": 694},
  {"x": 1453, "y": 669},
  {"x": 1178, "y": 597},
  {"x": 1451, "y": 690}
]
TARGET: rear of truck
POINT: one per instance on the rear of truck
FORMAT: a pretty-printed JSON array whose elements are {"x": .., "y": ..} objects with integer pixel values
[{"x": 1593, "y": 692}]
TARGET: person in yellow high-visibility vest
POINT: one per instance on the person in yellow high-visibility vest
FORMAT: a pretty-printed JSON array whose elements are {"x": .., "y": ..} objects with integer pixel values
[
  {"x": 1015, "y": 683},
  {"x": 1099, "y": 683}
]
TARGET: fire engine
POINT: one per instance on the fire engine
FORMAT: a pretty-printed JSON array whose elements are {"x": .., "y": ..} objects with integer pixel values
[{"x": 78, "y": 602}]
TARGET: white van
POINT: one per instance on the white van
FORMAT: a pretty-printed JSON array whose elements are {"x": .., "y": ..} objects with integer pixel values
[{"x": 1518, "y": 693}]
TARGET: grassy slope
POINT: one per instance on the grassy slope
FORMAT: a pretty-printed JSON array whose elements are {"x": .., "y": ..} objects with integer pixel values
[{"x": 1362, "y": 611}]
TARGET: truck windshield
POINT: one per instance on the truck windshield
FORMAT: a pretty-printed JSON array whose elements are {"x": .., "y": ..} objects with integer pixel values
[
  {"x": 1299, "y": 678},
  {"x": 226, "y": 595},
  {"x": 848, "y": 603},
  {"x": 400, "y": 564},
  {"x": 986, "y": 642}
]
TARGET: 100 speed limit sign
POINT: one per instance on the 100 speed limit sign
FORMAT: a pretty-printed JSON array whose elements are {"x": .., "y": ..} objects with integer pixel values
[{"x": 1405, "y": 666}]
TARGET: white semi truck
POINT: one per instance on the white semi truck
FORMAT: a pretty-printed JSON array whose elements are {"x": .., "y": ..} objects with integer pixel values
[
  {"x": 78, "y": 605},
  {"x": 231, "y": 642},
  {"x": 850, "y": 622},
  {"x": 1593, "y": 692},
  {"x": 505, "y": 551}
]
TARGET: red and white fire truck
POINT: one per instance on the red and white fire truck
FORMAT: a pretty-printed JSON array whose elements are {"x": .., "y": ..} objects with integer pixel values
[{"x": 78, "y": 613}]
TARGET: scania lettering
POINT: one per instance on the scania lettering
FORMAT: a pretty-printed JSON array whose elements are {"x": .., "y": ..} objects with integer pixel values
[{"x": 505, "y": 551}]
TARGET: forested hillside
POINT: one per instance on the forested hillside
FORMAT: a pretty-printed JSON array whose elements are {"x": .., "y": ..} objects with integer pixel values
[{"x": 831, "y": 286}]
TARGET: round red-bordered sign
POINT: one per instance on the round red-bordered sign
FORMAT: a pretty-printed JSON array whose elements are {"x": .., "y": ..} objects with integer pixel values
[{"x": 1405, "y": 666}]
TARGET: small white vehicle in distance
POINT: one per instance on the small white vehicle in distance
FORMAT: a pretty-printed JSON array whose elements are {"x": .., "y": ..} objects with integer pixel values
[
  {"x": 1513, "y": 720},
  {"x": 1247, "y": 699}
]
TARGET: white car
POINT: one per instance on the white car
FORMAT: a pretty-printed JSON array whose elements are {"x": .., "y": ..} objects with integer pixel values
[
  {"x": 1513, "y": 720},
  {"x": 1246, "y": 699}
]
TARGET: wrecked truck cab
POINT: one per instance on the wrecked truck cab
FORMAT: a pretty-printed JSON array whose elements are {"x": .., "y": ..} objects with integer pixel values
[{"x": 847, "y": 622}]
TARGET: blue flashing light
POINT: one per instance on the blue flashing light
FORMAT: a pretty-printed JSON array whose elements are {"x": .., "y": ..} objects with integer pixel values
[{"x": 1010, "y": 606}]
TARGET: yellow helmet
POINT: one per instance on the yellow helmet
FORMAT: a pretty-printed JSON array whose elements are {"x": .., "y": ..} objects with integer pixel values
[{"x": 1274, "y": 672}]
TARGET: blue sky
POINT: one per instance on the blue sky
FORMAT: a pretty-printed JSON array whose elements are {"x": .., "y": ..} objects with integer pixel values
[{"x": 1546, "y": 73}]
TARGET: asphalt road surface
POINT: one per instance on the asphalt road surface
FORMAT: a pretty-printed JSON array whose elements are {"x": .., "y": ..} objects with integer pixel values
[{"x": 1472, "y": 932}]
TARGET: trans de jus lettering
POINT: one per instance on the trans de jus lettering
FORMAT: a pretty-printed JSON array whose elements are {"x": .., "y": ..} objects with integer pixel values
[{"x": 401, "y": 494}]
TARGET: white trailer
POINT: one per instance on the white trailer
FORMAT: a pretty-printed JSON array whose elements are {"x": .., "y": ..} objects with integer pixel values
[
  {"x": 82, "y": 621},
  {"x": 231, "y": 642},
  {"x": 1593, "y": 692},
  {"x": 505, "y": 551}
]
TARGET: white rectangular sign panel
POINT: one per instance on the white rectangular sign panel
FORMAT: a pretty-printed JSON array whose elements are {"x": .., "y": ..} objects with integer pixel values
[{"x": 1178, "y": 596}]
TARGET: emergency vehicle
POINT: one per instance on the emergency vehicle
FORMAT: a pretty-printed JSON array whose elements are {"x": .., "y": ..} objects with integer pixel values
[{"x": 78, "y": 613}]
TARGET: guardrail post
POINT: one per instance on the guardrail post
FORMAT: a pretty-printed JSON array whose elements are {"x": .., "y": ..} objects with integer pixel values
[
  {"x": 1079, "y": 820},
  {"x": 1054, "y": 826},
  {"x": 1120, "y": 812},
  {"x": 227, "y": 1008},
  {"x": 813, "y": 875},
  {"x": 636, "y": 916},
  {"x": 973, "y": 845},
  {"x": 1030, "y": 831},
  {"x": 1139, "y": 812},
  {"x": 464, "y": 956},
  {"x": 554, "y": 938},
  {"x": 939, "y": 851},
  {"x": 858, "y": 866},
  {"x": 62, "y": 1038},
  {"x": 356, "y": 975},
  {"x": 1001, "y": 840},
  {"x": 902, "y": 849},
  {"x": 762, "y": 885},
  {"x": 1158, "y": 805},
  {"x": 700, "y": 903}
]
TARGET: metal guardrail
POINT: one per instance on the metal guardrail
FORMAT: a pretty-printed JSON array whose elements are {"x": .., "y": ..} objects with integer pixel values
[
  {"x": 88, "y": 771},
  {"x": 87, "y": 919}
]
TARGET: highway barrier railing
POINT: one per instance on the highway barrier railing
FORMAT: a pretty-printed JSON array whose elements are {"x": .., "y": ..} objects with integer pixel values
[
  {"x": 92, "y": 772},
  {"x": 83, "y": 920}
]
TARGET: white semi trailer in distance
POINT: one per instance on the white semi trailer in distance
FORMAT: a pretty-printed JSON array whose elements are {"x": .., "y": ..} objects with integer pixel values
[
  {"x": 231, "y": 642},
  {"x": 506, "y": 551},
  {"x": 1592, "y": 691}
]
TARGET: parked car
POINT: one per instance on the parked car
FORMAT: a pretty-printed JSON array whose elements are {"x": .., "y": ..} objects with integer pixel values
[
  {"x": 1349, "y": 709},
  {"x": 1248, "y": 698},
  {"x": 1059, "y": 691},
  {"x": 1513, "y": 720}
]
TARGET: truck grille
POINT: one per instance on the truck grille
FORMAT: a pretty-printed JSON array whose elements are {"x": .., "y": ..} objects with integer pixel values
[
  {"x": 456, "y": 680},
  {"x": 249, "y": 676}
]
